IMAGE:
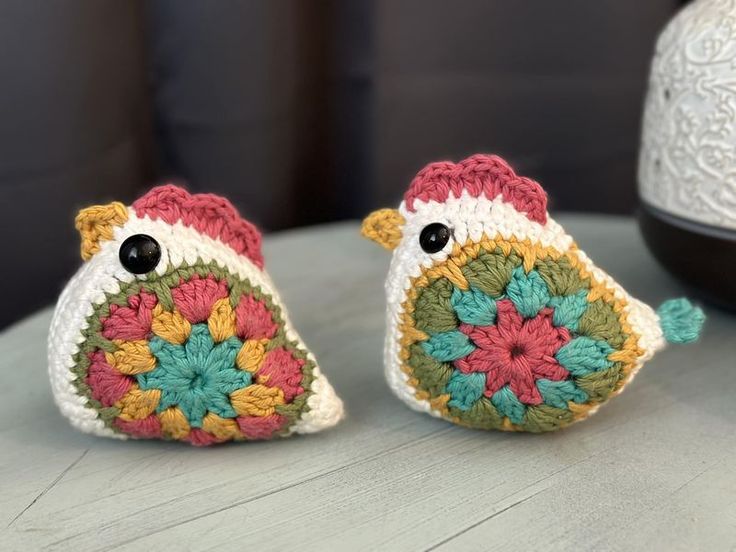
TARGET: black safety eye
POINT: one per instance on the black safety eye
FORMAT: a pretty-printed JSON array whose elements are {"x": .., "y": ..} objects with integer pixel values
[
  {"x": 140, "y": 254},
  {"x": 434, "y": 237}
]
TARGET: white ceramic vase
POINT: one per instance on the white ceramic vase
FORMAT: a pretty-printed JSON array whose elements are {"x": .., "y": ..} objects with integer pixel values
[{"x": 687, "y": 166}]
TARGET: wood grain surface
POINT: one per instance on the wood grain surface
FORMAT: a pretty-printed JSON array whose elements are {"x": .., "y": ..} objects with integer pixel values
[{"x": 654, "y": 470}]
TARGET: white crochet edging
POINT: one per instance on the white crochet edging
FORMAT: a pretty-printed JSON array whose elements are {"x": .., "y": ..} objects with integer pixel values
[
  {"x": 103, "y": 274},
  {"x": 470, "y": 218}
]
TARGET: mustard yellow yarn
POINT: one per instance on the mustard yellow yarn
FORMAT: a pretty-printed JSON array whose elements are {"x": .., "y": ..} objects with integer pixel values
[
  {"x": 96, "y": 224},
  {"x": 383, "y": 227}
]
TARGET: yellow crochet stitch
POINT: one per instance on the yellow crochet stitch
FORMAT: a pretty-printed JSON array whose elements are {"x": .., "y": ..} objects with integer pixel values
[
  {"x": 383, "y": 227},
  {"x": 96, "y": 224}
]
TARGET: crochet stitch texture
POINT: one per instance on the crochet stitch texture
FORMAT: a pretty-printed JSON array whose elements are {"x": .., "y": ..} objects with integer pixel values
[
  {"x": 198, "y": 347},
  {"x": 507, "y": 325}
]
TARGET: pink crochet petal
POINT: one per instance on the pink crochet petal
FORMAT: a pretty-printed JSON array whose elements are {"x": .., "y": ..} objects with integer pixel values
[
  {"x": 549, "y": 368},
  {"x": 254, "y": 320},
  {"x": 542, "y": 336},
  {"x": 147, "y": 428},
  {"x": 132, "y": 322},
  {"x": 106, "y": 384},
  {"x": 495, "y": 380},
  {"x": 525, "y": 389},
  {"x": 201, "y": 438},
  {"x": 481, "y": 336},
  {"x": 195, "y": 298},
  {"x": 281, "y": 369},
  {"x": 480, "y": 360},
  {"x": 261, "y": 427},
  {"x": 508, "y": 320}
]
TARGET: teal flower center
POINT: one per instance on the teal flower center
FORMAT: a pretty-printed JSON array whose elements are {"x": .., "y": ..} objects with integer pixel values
[{"x": 197, "y": 376}]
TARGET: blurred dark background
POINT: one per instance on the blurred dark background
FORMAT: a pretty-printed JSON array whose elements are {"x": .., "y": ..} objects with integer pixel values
[{"x": 303, "y": 111}]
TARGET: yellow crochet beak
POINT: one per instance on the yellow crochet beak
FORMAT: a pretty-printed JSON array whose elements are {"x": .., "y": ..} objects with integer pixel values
[
  {"x": 383, "y": 227},
  {"x": 96, "y": 224}
]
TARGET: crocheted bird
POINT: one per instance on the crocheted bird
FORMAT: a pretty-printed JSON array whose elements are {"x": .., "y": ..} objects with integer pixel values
[
  {"x": 172, "y": 329},
  {"x": 496, "y": 320}
]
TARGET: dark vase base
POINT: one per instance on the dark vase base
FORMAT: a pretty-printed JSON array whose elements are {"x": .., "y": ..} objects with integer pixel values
[{"x": 701, "y": 256}]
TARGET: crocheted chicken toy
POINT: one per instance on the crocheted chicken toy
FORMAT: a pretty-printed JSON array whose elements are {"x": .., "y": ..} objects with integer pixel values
[
  {"x": 172, "y": 329},
  {"x": 496, "y": 320}
]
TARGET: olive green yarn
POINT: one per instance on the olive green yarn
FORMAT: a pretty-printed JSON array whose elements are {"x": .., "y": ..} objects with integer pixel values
[
  {"x": 433, "y": 311},
  {"x": 108, "y": 414},
  {"x": 431, "y": 374},
  {"x": 543, "y": 418},
  {"x": 560, "y": 276},
  {"x": 482, "y": 415},
  {"x": 491, "y": 272},
  {"x": 163, "y": 294},
  {"x": 600, "y": 385},
  {"x": 601, "y": 322},
  {"x": 238, "y": 289}
]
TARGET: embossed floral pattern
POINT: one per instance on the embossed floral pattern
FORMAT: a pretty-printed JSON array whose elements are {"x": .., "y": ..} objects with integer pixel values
[{"x": 687, "y": 162}]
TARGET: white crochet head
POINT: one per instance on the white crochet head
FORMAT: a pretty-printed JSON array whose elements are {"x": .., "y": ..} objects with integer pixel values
[{"x": 198, "y": 237}]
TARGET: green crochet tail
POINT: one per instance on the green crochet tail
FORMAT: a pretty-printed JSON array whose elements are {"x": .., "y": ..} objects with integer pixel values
[{"x": 680, "y": 320}]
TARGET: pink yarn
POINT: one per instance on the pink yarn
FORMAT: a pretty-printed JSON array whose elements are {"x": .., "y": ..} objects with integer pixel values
[
  {"x": 195, "y": 298},
  {"x": 253, "y": 319},
  {"x": 106, "y": 384},
  {"x": 200, "y": 438},
  {"x": 132, "y": 322},
  {"x": 147, "y": 428},
  {"x": 210, "y": 214},
  {"x": 261, "y": 427},
  {"x": 516, "y": 352},
  {"x": 281, "y": 369},
  {"x": 488, "y": 175}
]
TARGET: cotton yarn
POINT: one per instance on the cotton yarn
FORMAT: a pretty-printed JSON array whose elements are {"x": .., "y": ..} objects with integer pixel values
[
  {"x": 172, "y": 329},
  {"x": 495, "y": 318}
]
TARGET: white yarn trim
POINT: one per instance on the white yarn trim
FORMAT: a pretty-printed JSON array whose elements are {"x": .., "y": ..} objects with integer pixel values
[
  {"x": 470, "y": 218},
  {"x": 103, "y": 274}
]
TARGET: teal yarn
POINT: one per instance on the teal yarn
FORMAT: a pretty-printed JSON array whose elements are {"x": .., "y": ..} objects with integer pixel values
[
  {"x": 584, "y": 355},
  {"x": 558, "y": 393},
  {"x": 507, "y": 404},
  {"x": 528, "y": 292},
  {"x": 448, "y": 346},
  {"x": 465, "y": 389},
  {"x": 197, "y": 376},
  {"x": 474, "y": 307},
  {"x": 568, "y": 309},
  {"x": 680, "y": 320}
]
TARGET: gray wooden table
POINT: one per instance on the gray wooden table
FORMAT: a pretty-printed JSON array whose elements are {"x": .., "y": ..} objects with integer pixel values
[{"x": 654, "y": 469}]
